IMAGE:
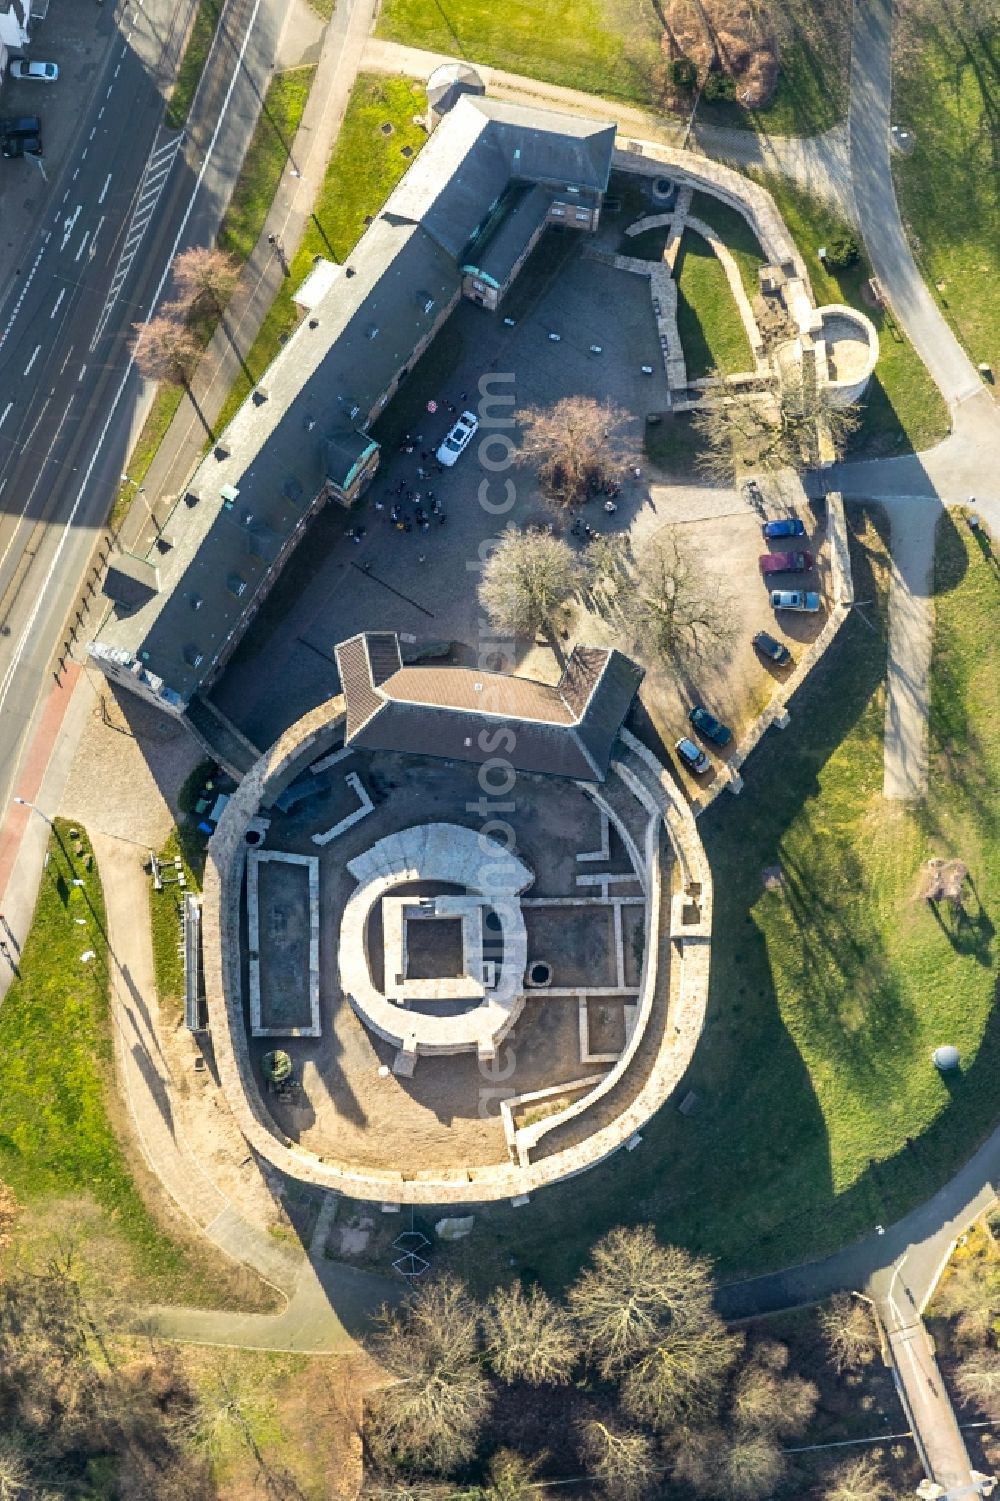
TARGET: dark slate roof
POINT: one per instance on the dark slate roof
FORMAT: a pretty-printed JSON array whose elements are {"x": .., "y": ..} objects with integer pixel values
[
  {"x": 303, "y": 420},
  {"x": 496, "y": 250},
  {"x": 559, "y": 729},
  {"x": 130, "y": 581}
]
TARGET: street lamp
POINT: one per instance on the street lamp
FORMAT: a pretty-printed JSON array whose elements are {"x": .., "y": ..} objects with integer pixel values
[
  {"x": 25, "y": 804},
  {"x": 141, "y": 490}
]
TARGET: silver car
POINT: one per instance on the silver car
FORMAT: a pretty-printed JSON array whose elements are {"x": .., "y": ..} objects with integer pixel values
[
  {"x": 34, "y": 72},
  {"x": 458, "y": 439}
]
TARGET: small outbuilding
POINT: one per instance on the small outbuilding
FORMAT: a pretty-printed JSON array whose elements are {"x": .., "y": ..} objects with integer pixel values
[{"x": 445, "y": 88}]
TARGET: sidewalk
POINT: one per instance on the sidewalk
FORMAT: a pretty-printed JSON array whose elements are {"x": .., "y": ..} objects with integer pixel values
[{"x": 261, "y": 278}]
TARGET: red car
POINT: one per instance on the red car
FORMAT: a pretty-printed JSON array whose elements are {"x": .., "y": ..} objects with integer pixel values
[{"x": 785, "y": 562}]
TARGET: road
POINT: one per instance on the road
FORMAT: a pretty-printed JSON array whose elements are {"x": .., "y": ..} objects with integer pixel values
[{"x": 131, "y": 193}]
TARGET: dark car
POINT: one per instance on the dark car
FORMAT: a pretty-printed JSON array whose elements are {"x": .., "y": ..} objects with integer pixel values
[
  {"x": 785, "y": 562},
  {"x": 706, "y": 724},
  {"x": 692, "y": 756},
  {"x": 787, "y": 526},
  {"x": 774, "y": 651},
  {"x": 20, "y": 125},
  {"x": 15, "y": 146}
]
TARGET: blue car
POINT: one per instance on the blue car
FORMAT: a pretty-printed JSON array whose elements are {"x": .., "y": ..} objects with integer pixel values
[
  {"x": 706, "y": 724},
  {"x": 788, "y": 526},
  {"x": 794, "y": 599}
]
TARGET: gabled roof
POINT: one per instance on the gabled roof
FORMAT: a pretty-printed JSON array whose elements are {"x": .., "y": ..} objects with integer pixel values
[{"x": 461, "y": 713}]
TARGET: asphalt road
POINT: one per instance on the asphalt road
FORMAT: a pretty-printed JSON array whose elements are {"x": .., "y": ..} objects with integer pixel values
[{"x": 130, "y": 194}]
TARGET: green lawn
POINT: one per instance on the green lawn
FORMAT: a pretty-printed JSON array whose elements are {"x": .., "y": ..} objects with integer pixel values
[
  {"x": 819, "y": 1111},
  {"x": 903, "y": 409},
  {"x": 193, "y": 62},
  {"x": 267, "y": 155},
  {"x": 811, "y": 96},
  {"x": 362, "y": 171},
  {"x": 606, "y": 47},
  {"x": 737, "y": 234},
  {"x": 946, "y": 91},
  {"x": 708, "y": 321},
  {"x": 57, "y": 1145}
]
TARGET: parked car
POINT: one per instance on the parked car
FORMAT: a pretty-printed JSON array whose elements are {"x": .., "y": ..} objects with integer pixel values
[
  {"x": 774, "y": 651},
  {"x": 787, "y": 526},
  {"x": 15, "y": 146},
  {"x": 786, "y": 562},
  {"x": 706, "y": 724},
  {"x": 794, "y": 599},
  {"x": 36, "y": 72},
  {"x": 458, "y": 439},
  {"x": 20, "y": 125},
  {"x": 693, "y": 756}
]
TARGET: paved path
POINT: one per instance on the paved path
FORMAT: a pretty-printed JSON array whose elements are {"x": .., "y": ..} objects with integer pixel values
[
  {"x": 913, "y": 523},
  {"x": 817, "y": 163}
]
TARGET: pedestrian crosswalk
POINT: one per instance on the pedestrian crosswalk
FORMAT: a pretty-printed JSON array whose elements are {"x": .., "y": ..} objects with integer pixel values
[{"x": 154, "y": 180}]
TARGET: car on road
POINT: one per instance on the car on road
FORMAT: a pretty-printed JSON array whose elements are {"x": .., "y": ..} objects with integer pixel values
[
  {"x": 785, "y": 526},
  {"x": 20, "y": 125},
  {"x": 706, "y": 724},
  {"x": 785, "y": 562},
  {"x": 458, "y": 439},
  {"x": 693, "y": 756},
  {"x": 794, "y": 599},
  {"x": 15, "y": 146},
  {"x": 36, "y": 72},
  {"x": 774, "y": 651}
]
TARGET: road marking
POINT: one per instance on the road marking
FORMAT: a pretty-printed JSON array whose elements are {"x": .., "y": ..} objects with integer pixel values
[
  {"x": 69, "y": 223},
  {"x": 6, "y": 412},
  {"x": 21, "y": 296},
  {"x": 64, "y": 197},
  {"x": 154, "y": 179},
  {"x": 93, "y": 239},
  {"x": 62, "y": 294},
  {"x": 86, "y": 237},
  {"x": 75, "y": 175},
  {"x": 100, "y": 112},
  {"x": 38, "y": 350},
  {"x": 83, "y": 371},
  {"x": 108, "y": 94},
  {"x": 104, "y": 190},
  {"x": 83, "y": 154},
  {"x": 118, "y": 70},
  {"x": 92, "y": 133},
  {"x": 62, "y": 367},
  {"x": 47, "y": 238}
]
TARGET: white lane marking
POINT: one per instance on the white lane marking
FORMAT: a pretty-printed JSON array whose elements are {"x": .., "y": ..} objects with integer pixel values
[
  {"x": 62, "y": 294},
  {"x": 104, "y": 190},
  {"x": 92, "y": 133},
  {"x": 65, "y": 196},
  {"x": 69, "y": 224},
  {"x": 93, "y": 238},
  {"x": 118, "y": 70},
  {"x": 100, "y": 112},
  {"x": 83, "y": 153},
  {"x": 68, "y": 528},
  {"x": 6, "y": 412},
  {"x": 83, "y": 371},
  {"x": 108, "y": 94},
  {"x": 21, "y": 295},
  {"x": 38, "y": 350},
  {"x": 47, "y": 237},
  {"x": 75, "y": 175},
  {"x": 151, "y": 186},
  {"x": 83, "y": 242},
  {"x": 65, "y": 362}
]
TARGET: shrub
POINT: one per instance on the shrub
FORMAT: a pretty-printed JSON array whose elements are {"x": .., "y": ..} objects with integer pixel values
[
  {"x": 719, "y": 86},
  {"x": 683, "y": 73},
  {"x": 841, "y": 252}
]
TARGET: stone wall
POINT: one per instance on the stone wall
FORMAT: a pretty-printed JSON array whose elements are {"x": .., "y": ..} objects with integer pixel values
[{"x": 227, "y": 852}]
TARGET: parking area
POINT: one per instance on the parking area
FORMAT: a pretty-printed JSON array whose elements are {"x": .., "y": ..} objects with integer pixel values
[{"x": 423, "y": 582}]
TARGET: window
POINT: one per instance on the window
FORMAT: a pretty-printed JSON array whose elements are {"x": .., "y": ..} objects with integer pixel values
[
  {"x": 571, "y": 189},
  {"x": 583, "y": 216},
  {"x": 478, "y": 286},
  {"x": 558, "y": 211}
]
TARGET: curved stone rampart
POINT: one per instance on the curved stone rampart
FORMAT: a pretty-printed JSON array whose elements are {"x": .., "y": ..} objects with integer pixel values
[{"x": 302, "y": 744}]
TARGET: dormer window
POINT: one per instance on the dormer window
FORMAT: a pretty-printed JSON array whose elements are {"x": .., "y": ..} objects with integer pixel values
[{"x": 236, "y": 584}]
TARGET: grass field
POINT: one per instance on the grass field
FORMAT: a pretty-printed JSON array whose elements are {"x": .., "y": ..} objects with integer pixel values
[
  {"x": 265, "y": 161},
  {"x": 58, "y": 1150},
  {"x": 811, "y": 96},
  {"x": 708, "y": 321},
  {"x": 193, "y": 62},
  {"x": 363, "y": 170},
  {"x": 946, "y": 90},
  {"x": 903, "y": 409},
  {"x": 820, "y": 1113}
]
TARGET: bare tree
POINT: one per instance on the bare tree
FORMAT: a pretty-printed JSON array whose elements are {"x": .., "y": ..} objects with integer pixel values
[
  {"x": 971, "y": 1294},
  {"x": 766, "y": 1399},
  {"x": 165, "y": 349},
  {"x": 528, "y": 581},
  {"x": 512, "y": 1477},
  {"x": 785, "y": 428},
  {"x": 203, "y": 274},
  {"x": 631, "y": 1293},
  {"x": 978, "y": 1380},
  {"x": 430, "y": 1412},
  {"x": 15, "y": 1473},
  {"x": 378, "y": 1488},
  {"x": 849, "y": 1330},
  {"x": 529, "y": 1338},
  {"x": 681, "y": 1378},
  {"x": 859, "y": 1480},
  {"x": 675, "y": 610},
  {"x": 624, "y": 1461},
  {"x": 231, "y": 1410},
  {"x": 578, "y": 444},
  {"x": 737, "y": 1466}
]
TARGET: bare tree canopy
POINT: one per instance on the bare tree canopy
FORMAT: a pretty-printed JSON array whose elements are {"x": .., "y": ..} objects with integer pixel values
[
  {"x": 681, "y": 1378},
  {"x": 859, "y": 1480},
  {"x": 512, "y": 1477},
  {"x": 528, "y": 580},
  {"x": 205, "y": 274},
  {"x": 978, "y": 1380},
  {"x": 849, "y": 1330},
  {"x": 430, "y": 1412},
  {"x": 675, "y": 610},
  {"x": 731, "y": 1467},
  {"x": 768, "y": 1400},
  {"x": 768, "y": 434},
  {"x": 577, "y": 444},
  {"x": 165, "y": 349},
  {"x": 633, "y": 1292},
  {"x": 528, "y": 1337},
  {"x": 624, "y": 1461},
  {"x": 971, "y": 1294}
]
